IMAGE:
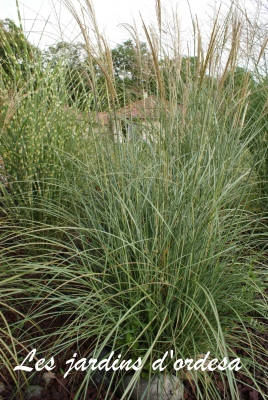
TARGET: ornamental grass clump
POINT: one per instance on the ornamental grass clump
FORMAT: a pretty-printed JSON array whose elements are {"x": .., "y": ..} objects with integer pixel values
[
  {"x": 38, "y": 129},
  {"x": 153, "y": 245}
]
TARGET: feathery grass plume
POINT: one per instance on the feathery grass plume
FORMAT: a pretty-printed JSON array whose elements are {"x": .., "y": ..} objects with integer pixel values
[
  {"x": 155, "y": 243},
  {"x": 97, "y": 52}
]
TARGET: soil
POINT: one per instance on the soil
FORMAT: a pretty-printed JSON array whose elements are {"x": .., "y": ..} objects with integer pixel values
[{"x": 56, "y": 387}]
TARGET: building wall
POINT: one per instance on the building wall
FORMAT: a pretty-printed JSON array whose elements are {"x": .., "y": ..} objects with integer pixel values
[{"x": 129, "y": 130}]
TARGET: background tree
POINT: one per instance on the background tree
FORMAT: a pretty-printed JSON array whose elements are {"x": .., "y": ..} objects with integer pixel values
[
  {"x": 133, "y": 69},
  {"x": 126, "y": 61}
]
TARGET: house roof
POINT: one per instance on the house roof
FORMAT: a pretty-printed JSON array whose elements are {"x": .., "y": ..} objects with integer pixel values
[{"x": 141, "y": 109}]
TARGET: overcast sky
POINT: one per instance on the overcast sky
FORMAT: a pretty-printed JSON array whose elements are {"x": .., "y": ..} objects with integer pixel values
[{"x": 38, "y": 15}]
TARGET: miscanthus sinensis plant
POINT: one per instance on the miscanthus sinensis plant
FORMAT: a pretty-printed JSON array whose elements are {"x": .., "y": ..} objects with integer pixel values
[{"x": 152, "y": 245}]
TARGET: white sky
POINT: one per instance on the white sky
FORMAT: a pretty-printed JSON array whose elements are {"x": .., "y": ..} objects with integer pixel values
[
  {"x": 38, "y": 15},
  {"x": 110, "y": 14}
]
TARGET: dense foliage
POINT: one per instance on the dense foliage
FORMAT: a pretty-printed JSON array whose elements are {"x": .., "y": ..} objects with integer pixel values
[{"x": 158, "y": 242}]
